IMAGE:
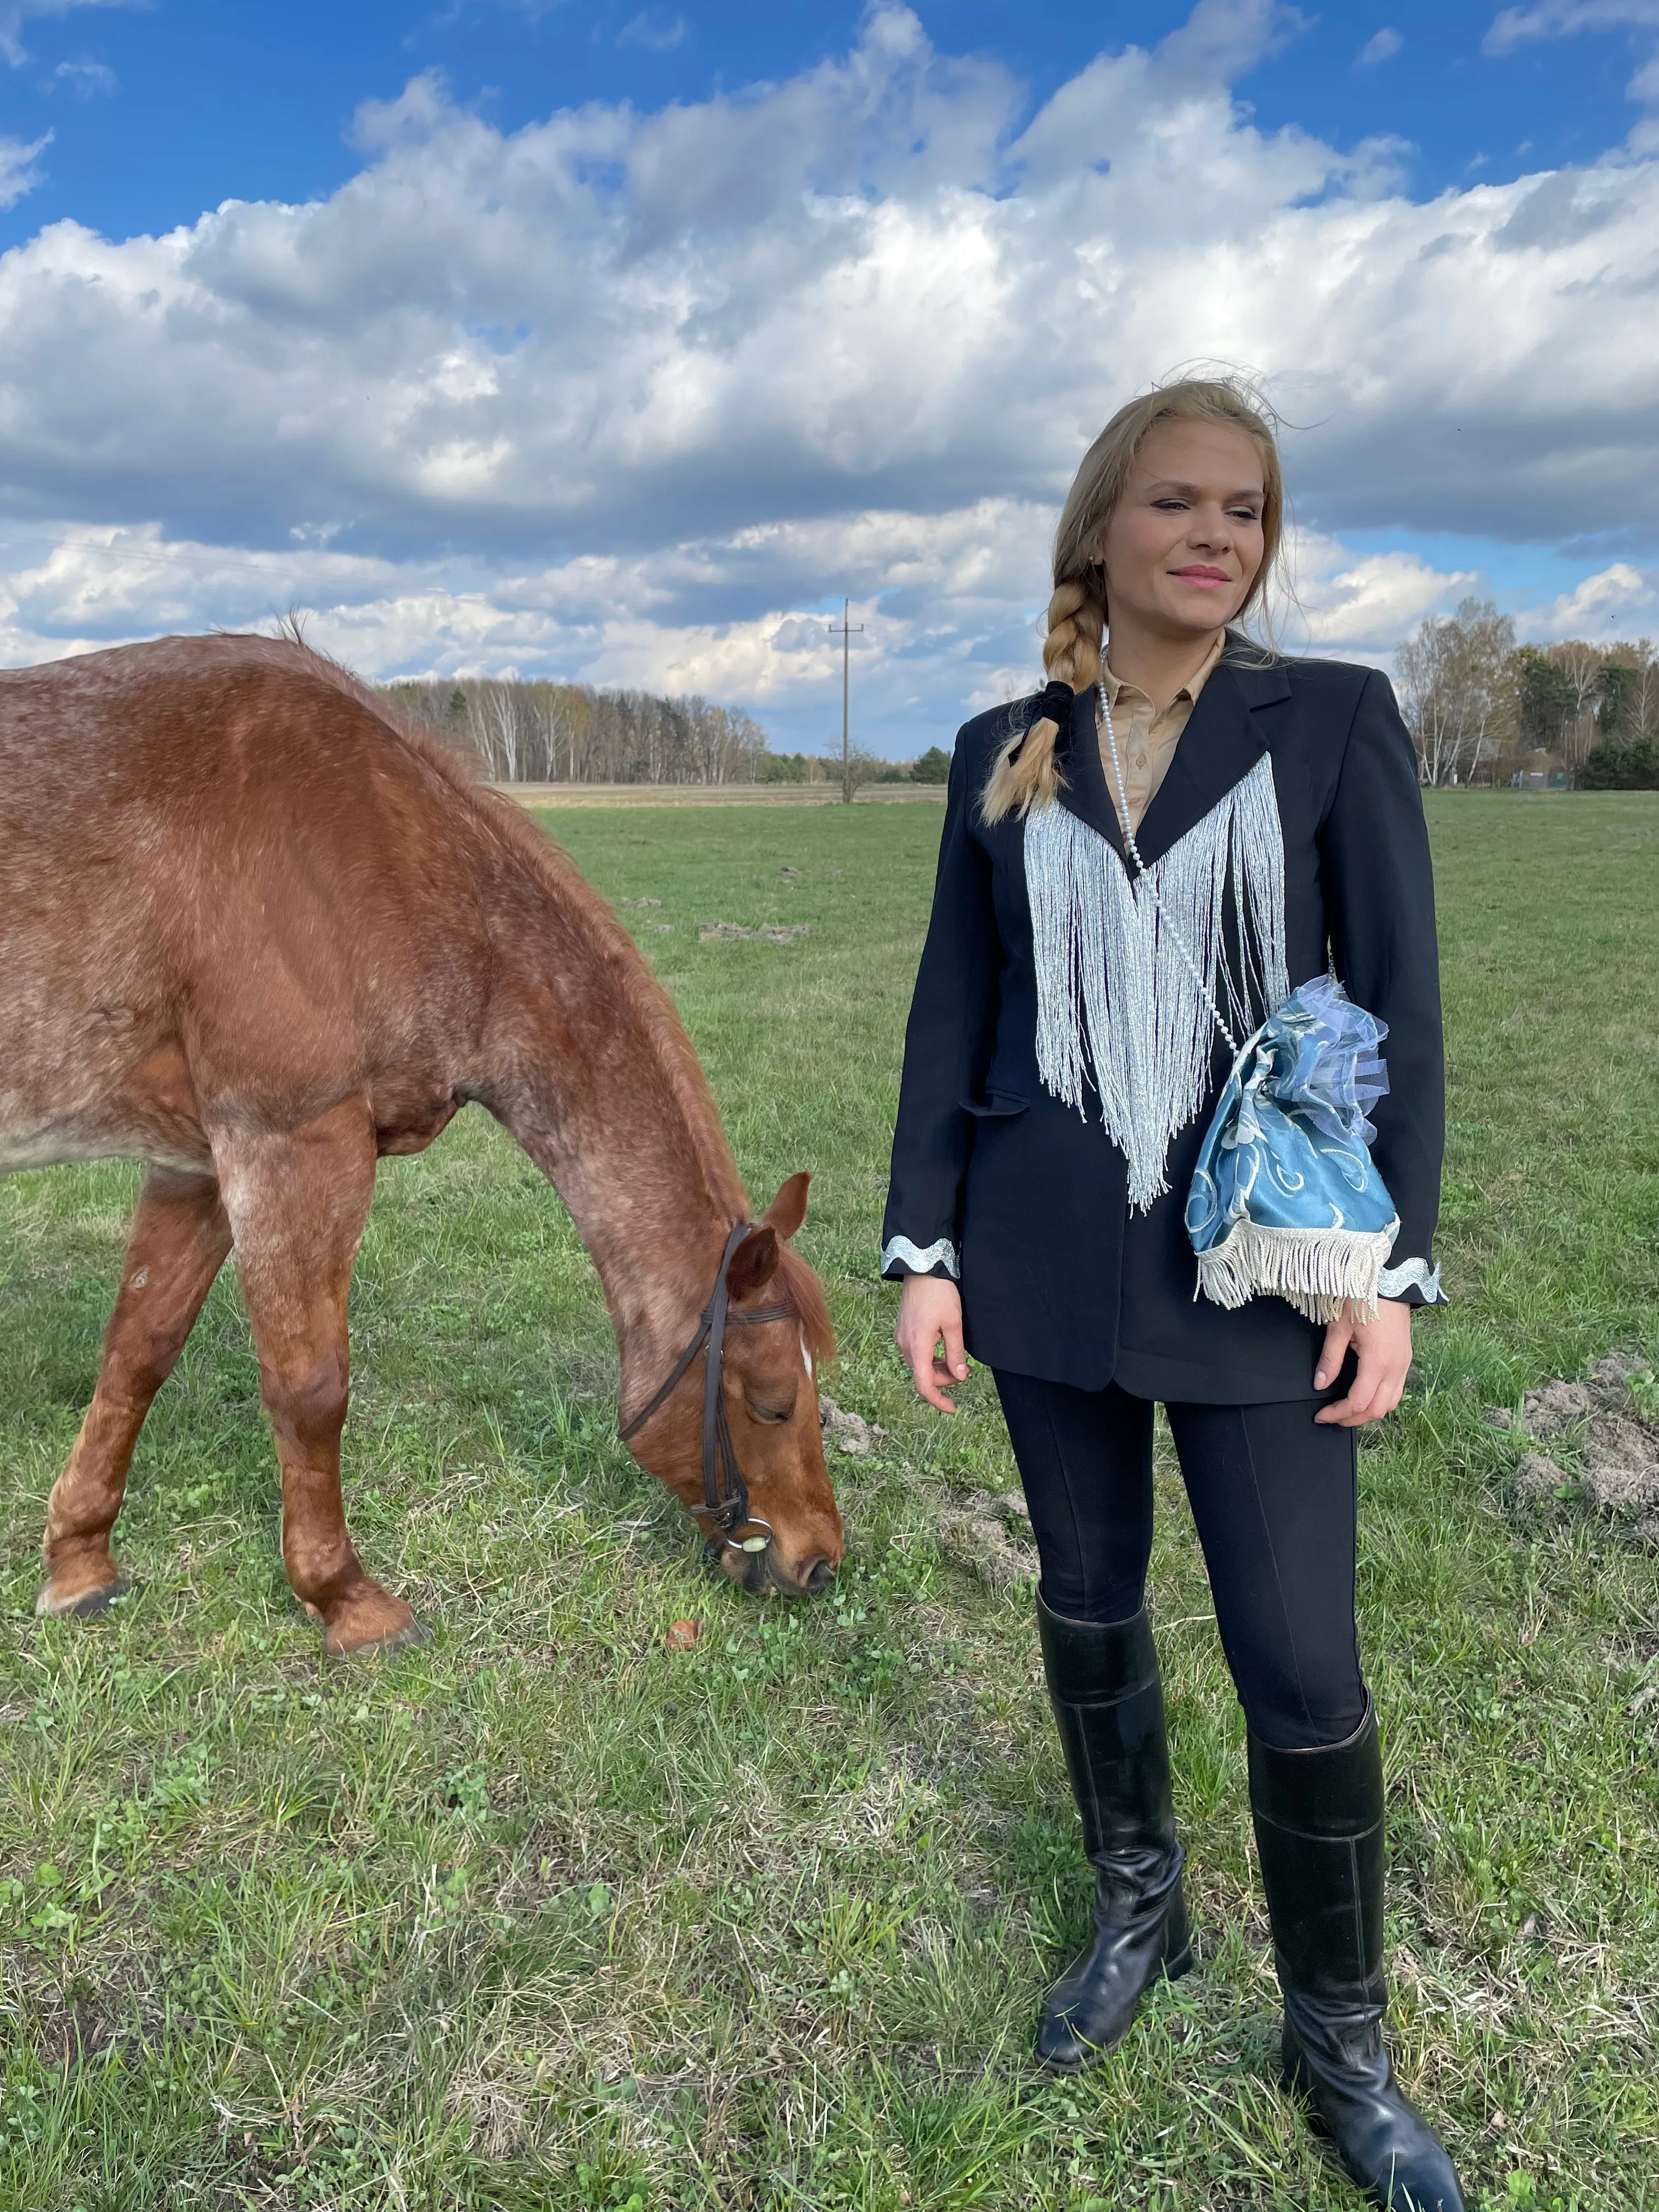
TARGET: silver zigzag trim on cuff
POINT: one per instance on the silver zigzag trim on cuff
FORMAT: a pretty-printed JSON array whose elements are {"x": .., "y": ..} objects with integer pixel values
[
  {"x": 917, "y": 1259},
  {"x": 1411, "y": 1275}
]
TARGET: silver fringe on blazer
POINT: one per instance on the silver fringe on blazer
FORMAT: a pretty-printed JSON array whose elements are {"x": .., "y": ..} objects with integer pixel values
[{"x": 1116, "y": 1000}]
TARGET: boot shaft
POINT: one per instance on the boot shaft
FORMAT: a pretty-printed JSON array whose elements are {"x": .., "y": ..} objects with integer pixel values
[
  {"x": 1108, "y": 1700},
  {"x": 1319, "y": 1832}
]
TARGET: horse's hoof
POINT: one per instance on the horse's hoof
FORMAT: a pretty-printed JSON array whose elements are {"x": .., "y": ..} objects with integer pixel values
[
  {"x": 413, "y": 1634},
  {"x": 82, "y": 1605}
]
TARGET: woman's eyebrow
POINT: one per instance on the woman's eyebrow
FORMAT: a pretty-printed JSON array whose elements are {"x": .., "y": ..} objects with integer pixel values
[{"x": 1196, "y": 491}]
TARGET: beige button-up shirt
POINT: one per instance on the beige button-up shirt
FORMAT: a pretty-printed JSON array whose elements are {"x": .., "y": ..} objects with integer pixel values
[{"x": 1146, "y": 741}]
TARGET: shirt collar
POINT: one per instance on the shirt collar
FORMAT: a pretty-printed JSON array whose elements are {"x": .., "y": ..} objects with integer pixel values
[{"x": 1189, "y": 691}]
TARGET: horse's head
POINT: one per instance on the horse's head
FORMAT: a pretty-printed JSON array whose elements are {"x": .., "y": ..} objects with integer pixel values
[{"x": 792, "y": 1540}]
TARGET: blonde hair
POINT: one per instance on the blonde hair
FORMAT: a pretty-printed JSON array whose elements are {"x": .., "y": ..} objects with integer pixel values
[{"x": 1026, "y": 774}]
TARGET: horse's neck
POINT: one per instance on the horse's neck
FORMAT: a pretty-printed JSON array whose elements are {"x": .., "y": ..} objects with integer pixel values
[{"x": 589, "y": 1069}]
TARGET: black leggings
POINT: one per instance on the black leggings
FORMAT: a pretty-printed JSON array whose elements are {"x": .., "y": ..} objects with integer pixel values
[{"x": 1274, "y": 1496}]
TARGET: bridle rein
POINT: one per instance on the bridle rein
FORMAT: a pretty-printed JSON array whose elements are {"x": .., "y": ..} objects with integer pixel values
[{"x": 726, "y": 1512}]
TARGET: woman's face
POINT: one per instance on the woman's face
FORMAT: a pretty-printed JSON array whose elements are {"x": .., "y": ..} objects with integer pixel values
[{"x": 1184, "y": 543}]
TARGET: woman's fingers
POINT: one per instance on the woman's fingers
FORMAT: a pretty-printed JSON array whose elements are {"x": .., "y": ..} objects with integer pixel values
[
  {"x": 931, "y": 1380},
  {"x": 929, "y": 1317},
  {"x": 1338, "y": 1335},
  {"x": 1385, "y": 1345},
  {"x": 955, "y": 1358}
]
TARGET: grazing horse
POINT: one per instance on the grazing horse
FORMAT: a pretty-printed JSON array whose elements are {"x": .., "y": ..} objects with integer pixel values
[{"x": 256, "y": 933}]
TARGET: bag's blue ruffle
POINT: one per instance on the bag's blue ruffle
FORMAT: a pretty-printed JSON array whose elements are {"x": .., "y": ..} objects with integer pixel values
[
  {"x": 1285, "y": 1199},
  {"x": 1325, "y": 1060}
]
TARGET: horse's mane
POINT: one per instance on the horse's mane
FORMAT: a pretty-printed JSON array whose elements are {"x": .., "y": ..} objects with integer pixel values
[{"x": 805, "y": 1293}]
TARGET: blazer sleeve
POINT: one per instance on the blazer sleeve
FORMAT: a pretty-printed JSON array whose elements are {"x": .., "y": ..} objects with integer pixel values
[
  {"x": 947, "y": 1050},
  {"x": 1379, "y": 902}
]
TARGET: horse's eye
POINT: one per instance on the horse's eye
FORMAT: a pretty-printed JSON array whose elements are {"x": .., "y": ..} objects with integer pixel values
[{"x": 769, "y": 1413}]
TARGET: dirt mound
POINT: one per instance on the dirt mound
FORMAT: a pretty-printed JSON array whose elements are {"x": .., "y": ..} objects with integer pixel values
[
  {"x": 988, "y": 1535},
  {"x": 1599, "y": 1426},
  {"x": 850, "y": 1433},
  {"x": 773, "y": 932}
]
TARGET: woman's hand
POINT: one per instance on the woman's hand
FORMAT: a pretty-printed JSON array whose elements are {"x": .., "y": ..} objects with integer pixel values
[
  {"x": 1384, "y": 1346},
  {"x": 929, "y": 1315}
]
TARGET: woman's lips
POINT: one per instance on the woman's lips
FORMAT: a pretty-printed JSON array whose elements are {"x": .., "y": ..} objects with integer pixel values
[{"x": 1201, "y": 575}]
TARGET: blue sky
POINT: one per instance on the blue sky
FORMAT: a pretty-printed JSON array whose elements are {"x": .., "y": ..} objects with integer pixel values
[{"x": 618, "y": 343}]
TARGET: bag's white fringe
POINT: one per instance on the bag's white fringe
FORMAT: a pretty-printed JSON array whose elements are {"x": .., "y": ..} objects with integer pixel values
[
  {"x": 1109, "y": 970},
  {"x": 1324, "y": 1273}
]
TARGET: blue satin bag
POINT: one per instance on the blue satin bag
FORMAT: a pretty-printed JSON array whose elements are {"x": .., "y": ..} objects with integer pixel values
[{"x": 1285, "y": 1201}]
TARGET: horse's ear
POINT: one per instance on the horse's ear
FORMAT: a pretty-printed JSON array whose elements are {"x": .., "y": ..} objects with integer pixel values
[
  {"x": 754, "y": 1262},
  {"x": 788, "y": 1209}
]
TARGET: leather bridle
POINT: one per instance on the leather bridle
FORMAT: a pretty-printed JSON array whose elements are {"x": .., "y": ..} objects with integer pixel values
[{"x": 729, "y": 1511}]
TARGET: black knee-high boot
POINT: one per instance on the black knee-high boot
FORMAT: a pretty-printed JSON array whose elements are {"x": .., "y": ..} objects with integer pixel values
[
  {"x": 1108, "y": 1703},
  {"x": 1319, "y": 1832}
]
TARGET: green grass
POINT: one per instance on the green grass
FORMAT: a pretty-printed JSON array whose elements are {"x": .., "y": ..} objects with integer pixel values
[{"x": 544, "y": 1915}]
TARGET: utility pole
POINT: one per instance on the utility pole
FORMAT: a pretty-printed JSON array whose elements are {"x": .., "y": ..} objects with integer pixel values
[{"x": 846, "y": 632}]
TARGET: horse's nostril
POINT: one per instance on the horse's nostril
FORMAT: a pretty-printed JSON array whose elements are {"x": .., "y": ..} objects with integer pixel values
[{"x": 819, "y": 1575}]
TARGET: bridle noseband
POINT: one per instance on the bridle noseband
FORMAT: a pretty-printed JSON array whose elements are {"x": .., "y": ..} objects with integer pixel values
[{"x": 729, "y": 1512}]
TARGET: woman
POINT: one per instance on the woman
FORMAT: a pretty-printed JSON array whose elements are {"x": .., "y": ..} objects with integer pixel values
[{"x": 1046, "y": 1142}]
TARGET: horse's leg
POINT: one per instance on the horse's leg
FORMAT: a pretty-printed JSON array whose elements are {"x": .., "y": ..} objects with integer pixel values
[
  {"x": 297, "y": 1202},
  {"x": 178, "y": 1240}
]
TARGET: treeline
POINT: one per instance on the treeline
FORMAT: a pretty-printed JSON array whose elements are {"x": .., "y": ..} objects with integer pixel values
[
  {"x": 547, "y": 732},
  {"x": 1483, "y": 709},
  {"x": 862, "y": 767}
]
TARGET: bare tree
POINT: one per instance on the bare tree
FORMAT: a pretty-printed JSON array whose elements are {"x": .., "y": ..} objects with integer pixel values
[
  {"x": 571, "y": 732},
  {"x": 496, "y": 717},
  {"x": 1457, "y": 687},
  {"x": 1642, "y": 701},
  {"x": 1581, "y": 665},
  {"x": 1627, "y": 705}
]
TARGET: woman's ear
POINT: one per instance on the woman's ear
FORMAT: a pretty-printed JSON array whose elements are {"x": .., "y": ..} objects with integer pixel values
[
  {"x": 788, "y": 1209},
  {"x": 754, "y": 1262}
]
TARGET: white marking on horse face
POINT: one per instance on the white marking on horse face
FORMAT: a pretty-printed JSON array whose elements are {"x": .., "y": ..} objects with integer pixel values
[{"x": 805, "y": 1357}]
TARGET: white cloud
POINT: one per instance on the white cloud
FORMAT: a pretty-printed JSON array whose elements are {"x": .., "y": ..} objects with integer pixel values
[
  {"x": 926, "y": 586},
  {"x": 636, "y": 396},
  {"x": 1565, "y": 18},
  {"x": 14, "y": 14},
  {"x": 1382, "y": 47},
  {"x": 1561, "y": 19},
  {"x": 654, "y": 29},
  {"x": 18, "y": 174},
  {"x": 85, "y": 79},
  {"x": 1617, "y": 602},
  {"x": 1361, "y": 605}
]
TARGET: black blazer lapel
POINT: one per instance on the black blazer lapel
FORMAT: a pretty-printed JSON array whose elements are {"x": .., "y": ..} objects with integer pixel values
[
  {"x": 1083, "y": 790},
  {"x": 1222, "y": 742}
]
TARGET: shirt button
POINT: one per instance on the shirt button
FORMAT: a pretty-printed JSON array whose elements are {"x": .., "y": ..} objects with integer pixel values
[{"x": 1141, "y": 760}]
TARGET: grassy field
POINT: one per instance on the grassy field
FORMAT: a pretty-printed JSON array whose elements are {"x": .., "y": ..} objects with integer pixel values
[{"x": 546, "y": 1915}]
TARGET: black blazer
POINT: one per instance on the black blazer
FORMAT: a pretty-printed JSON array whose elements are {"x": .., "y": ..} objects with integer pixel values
[{"x": 996, "y": 1183}]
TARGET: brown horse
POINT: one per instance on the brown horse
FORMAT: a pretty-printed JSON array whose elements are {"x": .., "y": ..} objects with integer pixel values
[{"x": 255, "y": 933}]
